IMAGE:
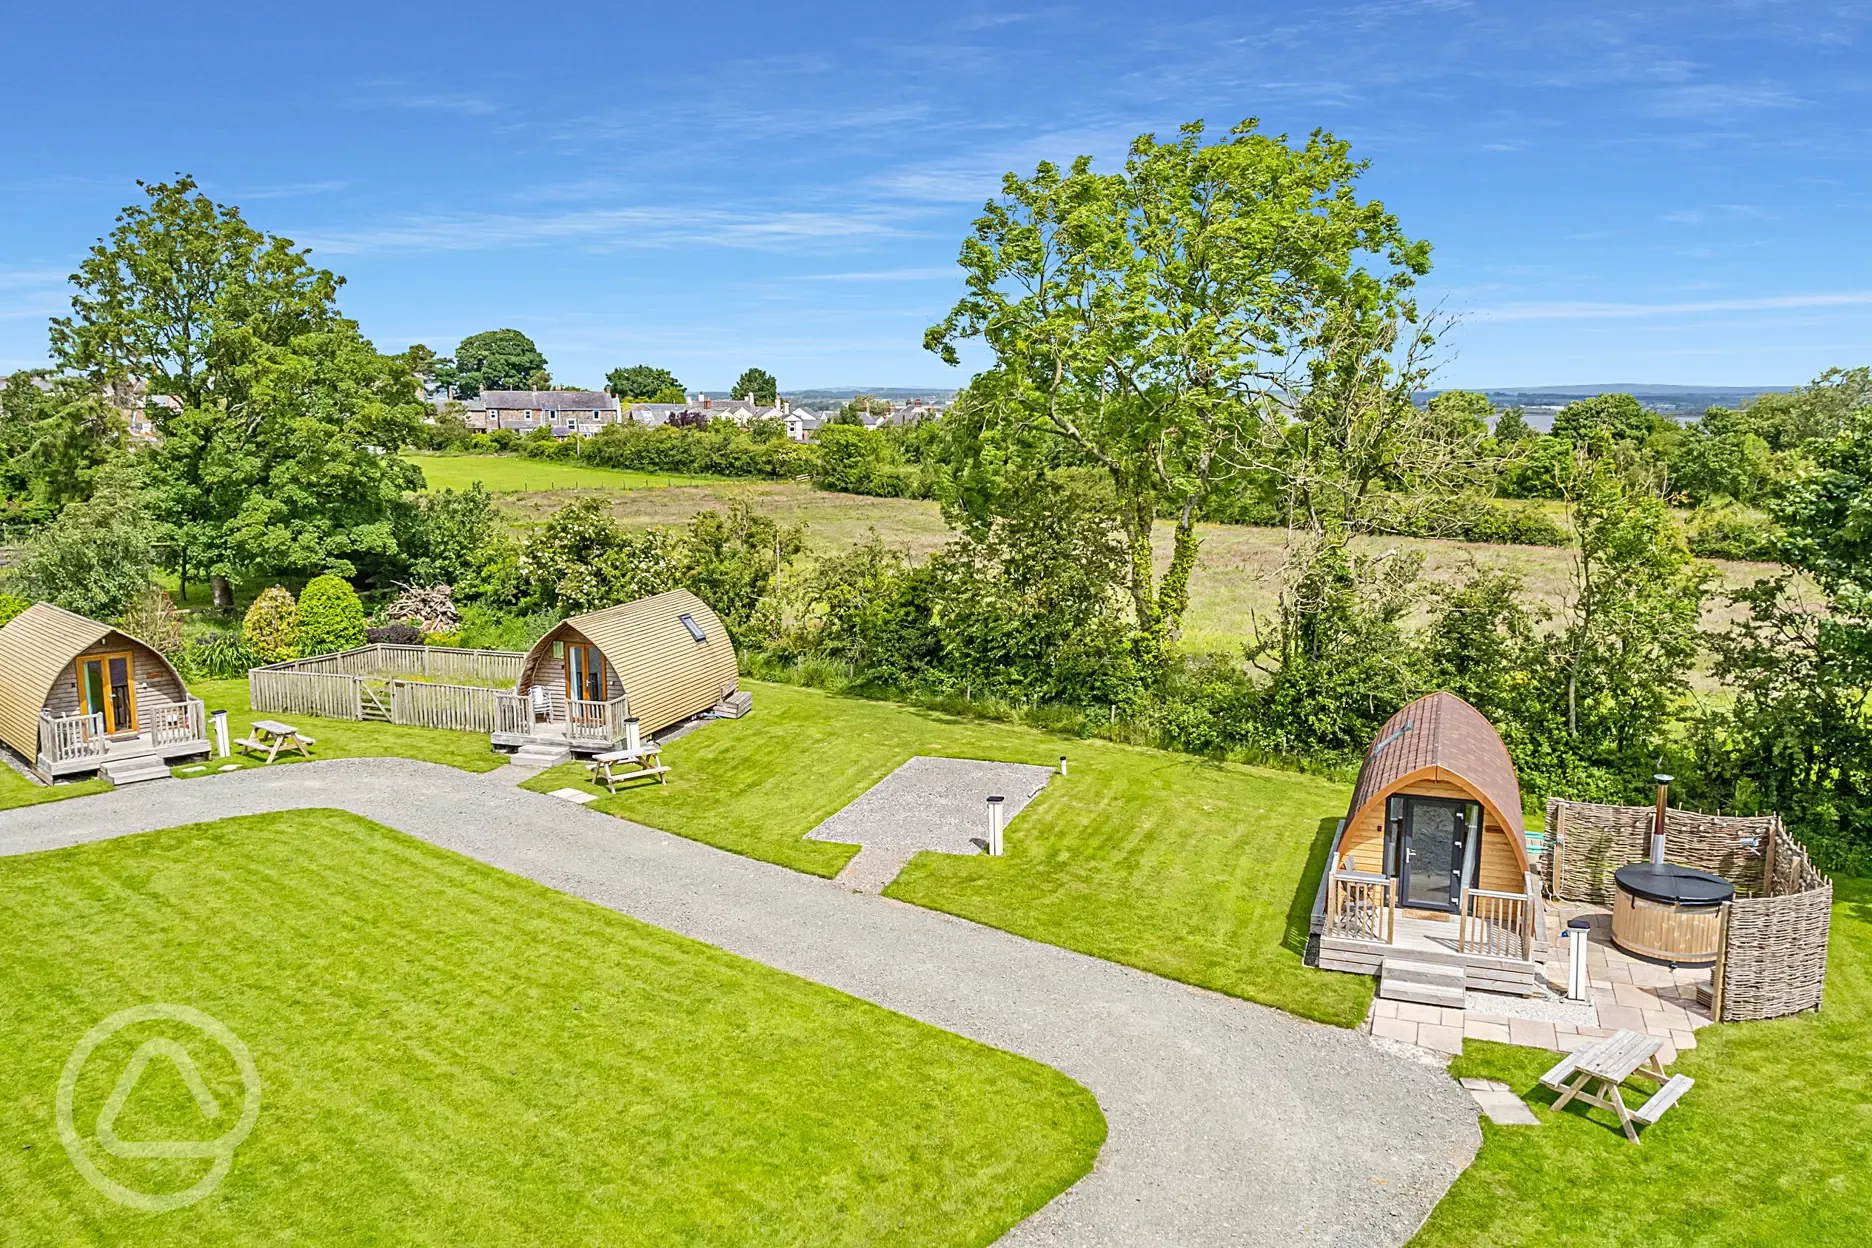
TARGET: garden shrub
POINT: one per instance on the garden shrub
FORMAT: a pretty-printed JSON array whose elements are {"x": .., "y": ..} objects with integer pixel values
[
  {"x": 10, "y": 606},
  {"x": 331, "y": 616},
  {"x": 219, "y": 656},
  {"x": 270, "y": 630},
  {"x": 1729, "y": 534},
  {"x": 1516, "y": 526},
  {"x": 151, "y": 618},
  {"x": 394, "y": 635}
]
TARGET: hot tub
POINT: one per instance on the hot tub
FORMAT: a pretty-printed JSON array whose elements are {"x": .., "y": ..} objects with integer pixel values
[{"x": 1671, "y": 913}]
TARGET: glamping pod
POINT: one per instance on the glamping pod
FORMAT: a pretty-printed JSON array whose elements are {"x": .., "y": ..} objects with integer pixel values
[
  {"x": 599, "y": 679},
  {"x": 1428, "y": 878},
  {"x": 79, "y": 696},
  {"x": 1437, "y": 807}
]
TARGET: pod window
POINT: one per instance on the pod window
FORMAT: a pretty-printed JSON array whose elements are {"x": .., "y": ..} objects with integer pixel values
[{"x": 695, "y": 629}]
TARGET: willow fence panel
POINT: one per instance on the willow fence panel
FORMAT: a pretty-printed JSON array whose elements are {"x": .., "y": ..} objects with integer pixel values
[{"x": 1587, "y": 842}]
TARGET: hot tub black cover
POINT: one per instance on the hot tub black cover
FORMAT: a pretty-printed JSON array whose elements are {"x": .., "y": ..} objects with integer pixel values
[{"x": 1674, "y": 885}]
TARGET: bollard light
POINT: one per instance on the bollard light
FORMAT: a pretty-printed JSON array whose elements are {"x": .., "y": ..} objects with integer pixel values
[
  {"x": 1578, "y": 934},
  {"x": 994, "y": 826},
  {"x": 1062, "y": 764},
  {"x": 220, "y": 733}
]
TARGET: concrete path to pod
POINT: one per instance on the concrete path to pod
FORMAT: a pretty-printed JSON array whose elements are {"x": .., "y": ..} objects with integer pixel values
[{"x": 1230, "y": 1123}]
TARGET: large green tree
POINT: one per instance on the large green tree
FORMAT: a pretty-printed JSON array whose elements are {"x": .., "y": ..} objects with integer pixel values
[
  {"x": 281, "y": 459},
  {"x": 644, "y": 384},
  {"x": 1151, "y": 318},
  {"x": 497, "y": 359},
  {"x": 757, "y": 385}
]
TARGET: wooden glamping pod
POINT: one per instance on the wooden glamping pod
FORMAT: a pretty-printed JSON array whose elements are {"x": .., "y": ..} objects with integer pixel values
[
  {"x": 1431, "y": 864},
  {"x": 78, "y": 696},
  {"x": 598, "y": 681}
]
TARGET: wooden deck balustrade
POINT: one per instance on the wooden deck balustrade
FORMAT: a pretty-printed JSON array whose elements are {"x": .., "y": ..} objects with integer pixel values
[{"x": 1361, "y": 906}]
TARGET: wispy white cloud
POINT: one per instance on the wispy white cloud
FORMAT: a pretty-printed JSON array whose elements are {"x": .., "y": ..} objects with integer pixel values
[
  {"x": 289, "y": 190},
  {"x": 615, "y": 229},
  {"x": 407, "y": 95},
  {"x": 1584, "y": 311},
  {"x": 931, "y": 274}
]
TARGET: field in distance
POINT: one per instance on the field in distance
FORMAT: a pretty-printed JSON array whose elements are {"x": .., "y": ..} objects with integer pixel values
[
  {"x": 1237, "y": 578},
  {"x": 504, "y": 474}
]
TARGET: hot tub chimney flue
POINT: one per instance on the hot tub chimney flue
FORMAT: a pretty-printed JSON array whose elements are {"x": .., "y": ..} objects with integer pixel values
[{"x": 1657, "y": 824}]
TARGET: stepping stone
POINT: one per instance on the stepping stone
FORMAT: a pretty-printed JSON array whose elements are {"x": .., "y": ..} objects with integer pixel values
[
  {"x": 1502, "y": 1106},
  {"x": 193, "y": 771},
  {"x": 229, "y": 767},
  {"x": 575, "y": 795}
]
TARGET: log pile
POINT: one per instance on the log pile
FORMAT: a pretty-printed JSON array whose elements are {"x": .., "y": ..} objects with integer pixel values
[{"x": 429, "y": 607}]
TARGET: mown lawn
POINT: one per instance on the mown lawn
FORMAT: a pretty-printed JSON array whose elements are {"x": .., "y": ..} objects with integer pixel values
[
  {"x": 343, "y": 738},
  {"x": 501, "y": 474},
  {"x": 1198, "y": 871},
  {"x": 17, "y": 790},
  {"x": 1772, "y": 1146},
  {"x": 452, "y": 1055}
]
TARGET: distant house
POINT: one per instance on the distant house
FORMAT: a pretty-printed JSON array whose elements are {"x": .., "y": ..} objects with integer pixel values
[
  {"x": 802, "y": 423},
  {"x": 565, "y": 412}
]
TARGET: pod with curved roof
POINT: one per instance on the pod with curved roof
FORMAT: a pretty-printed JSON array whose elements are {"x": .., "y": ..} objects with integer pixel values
[
  {"x": 1438, "y": 806},
  {"x": 77, "y": 695},
  {"x": 657, "y": 661}
]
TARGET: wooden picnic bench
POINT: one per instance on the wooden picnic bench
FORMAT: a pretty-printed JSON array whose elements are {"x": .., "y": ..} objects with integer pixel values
[
  {"x": 269, "y": 736},
  {"x": 1593, "y": 1074},
  {"x": 608, "y": 768}
]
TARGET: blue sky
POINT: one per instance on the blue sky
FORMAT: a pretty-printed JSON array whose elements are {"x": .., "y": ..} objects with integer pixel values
[{"x": 1651, "y": 192}]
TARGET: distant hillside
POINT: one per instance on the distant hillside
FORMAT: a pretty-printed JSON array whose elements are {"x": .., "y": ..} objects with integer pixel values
[{"x": 1681, "y": 401}]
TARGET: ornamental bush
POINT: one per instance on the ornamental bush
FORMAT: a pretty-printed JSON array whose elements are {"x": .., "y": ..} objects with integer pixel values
[
  {"x": 270, "y": 632},
  {"x": 331, "y": 617},
  {"x": 10, "y": 606}
]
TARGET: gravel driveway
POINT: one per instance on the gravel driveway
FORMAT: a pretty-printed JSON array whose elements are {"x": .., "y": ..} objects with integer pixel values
[{"x": 1230, "y": 1123}]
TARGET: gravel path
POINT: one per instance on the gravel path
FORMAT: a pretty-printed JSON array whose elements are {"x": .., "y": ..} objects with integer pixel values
[
  {"x": 928, "y": 803},
  {"x": 1230, "y": 1123}
]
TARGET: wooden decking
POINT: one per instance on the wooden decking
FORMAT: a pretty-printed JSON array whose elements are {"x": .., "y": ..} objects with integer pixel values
[{"x": 1436, "y": 939}]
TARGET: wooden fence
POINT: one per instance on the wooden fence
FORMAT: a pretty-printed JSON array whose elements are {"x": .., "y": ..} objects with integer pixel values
[
  {"x": 1772, "y": 956},
  {"x": 340, "y": 685},
  {"x": 1361, "y": 906}
]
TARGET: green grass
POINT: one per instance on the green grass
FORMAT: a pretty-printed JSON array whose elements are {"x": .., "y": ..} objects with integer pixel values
[
  {"x": 1199, "y": 871},
  {"x": 501, "y": 474},
  {"x": 345, "y": 738},
  {"x": 1772, "y": 1146},
  {"x": 17, "y": 790},
  {"x": 452, "y": 1055}
]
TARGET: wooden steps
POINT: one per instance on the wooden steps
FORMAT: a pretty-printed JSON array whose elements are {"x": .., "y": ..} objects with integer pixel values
[{"x": 1426, "y": 983}]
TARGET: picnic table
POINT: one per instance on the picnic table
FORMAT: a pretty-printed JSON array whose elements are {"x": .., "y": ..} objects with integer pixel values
[
  {"x": 1593, "y": 1074},
  {"x": 615, "y": 765},
  {"x": 271, "y": 736}
]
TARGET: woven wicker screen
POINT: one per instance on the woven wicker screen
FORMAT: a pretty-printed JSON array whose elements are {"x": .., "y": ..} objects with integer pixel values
[
  {"x": 1586, "y": 843},
  {"x": 1775, "y": 948}
]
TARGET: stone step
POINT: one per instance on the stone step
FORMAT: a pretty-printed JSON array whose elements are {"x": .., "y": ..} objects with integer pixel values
[
  {"x": 532, "y": 755},
  {"x": 734, "y": 706},
  {"x": 134, "y": 770},
  {"x": 1426, "y": 983}
]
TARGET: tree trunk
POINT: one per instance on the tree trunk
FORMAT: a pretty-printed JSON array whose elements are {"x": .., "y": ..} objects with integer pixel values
[
  {"x": 182, "y": 577},
  {"x": 223, "y": 593}
]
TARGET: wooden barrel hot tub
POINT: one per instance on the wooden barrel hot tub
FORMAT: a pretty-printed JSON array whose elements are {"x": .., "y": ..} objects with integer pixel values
[{"x": 1670, "y": 913}]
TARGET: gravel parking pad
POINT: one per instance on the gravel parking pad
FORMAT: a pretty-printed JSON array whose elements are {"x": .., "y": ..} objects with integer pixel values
[{"x": 938, "y": 804}]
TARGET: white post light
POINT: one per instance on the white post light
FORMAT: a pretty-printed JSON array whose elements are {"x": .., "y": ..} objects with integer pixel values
[
  {"x": 220, "y": 733},
  {"x": 1062, "y": 764},
  {"x": 632, "y": 737},
  {"x": 1578, "y": 934},
  {"x": 994, "y": 826}
]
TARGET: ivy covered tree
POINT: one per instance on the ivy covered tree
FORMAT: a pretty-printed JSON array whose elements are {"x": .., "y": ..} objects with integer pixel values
[{"x": 1150, "y": 319}]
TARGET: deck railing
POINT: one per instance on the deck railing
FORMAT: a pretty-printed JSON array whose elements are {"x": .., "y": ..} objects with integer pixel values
[
  {"x": 172, "y": 723},
  {"x": 72, "y": 736},
  {"x": 1361, "y": 906},
  {"x": 597, "y": 723},
  {"x": 1497, "y": 925}
]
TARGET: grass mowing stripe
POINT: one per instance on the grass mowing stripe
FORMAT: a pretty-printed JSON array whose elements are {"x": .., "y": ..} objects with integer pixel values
[{"x": 450, "y": 1055}]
